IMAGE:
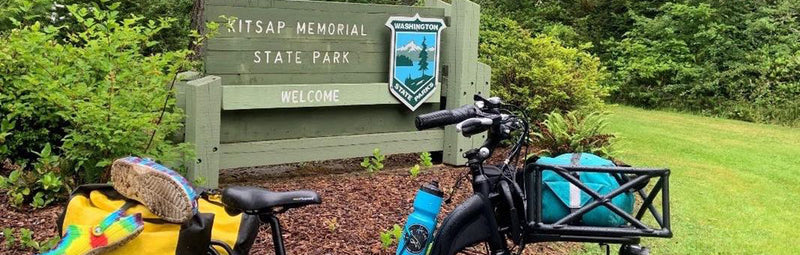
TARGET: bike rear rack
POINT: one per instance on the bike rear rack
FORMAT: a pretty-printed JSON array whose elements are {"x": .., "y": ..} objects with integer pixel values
[{"x": 630, "y": 233}]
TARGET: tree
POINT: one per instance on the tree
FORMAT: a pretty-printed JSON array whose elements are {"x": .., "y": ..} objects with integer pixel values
[{"x": 423, "y": 57}]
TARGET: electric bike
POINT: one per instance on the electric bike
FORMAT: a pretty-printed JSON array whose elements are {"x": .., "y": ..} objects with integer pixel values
[{"x": 505, "y": 207}]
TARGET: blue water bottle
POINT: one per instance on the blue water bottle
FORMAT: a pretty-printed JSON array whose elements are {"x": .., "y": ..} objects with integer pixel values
[{"x": 418, "y": 232}]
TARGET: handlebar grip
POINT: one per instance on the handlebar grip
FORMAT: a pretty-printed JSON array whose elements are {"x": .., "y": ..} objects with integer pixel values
[{"x": 445, "y": 117}]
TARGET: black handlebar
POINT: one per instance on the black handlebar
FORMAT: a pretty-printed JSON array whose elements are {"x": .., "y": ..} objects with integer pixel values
[{"x": 445, "y": 117}]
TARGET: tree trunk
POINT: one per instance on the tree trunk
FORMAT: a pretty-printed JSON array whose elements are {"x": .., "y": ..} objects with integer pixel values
[{"x": 198, "y": 24}]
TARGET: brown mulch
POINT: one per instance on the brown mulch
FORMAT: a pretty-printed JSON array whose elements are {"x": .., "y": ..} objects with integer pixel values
[
  {"x": 362, "y": 206},
  {"x": 41, "y": 221},
  {"x": 356, "y": 206}
]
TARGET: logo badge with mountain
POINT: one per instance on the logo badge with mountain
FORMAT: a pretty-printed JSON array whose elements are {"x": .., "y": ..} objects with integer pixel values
[{"x": 414, "y": 68}]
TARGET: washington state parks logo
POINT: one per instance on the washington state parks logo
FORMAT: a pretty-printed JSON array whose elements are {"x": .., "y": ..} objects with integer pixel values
[{"x": 414, "y": 68}]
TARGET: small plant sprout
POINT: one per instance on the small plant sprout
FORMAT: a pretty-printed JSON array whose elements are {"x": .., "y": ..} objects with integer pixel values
[
  {"x": 414, "y": 171},
  {"x": 397, "y": 232},
  {"x": 332, "y": 224},
  {"x": 391, "y": 236},
  {"x": 199, "y": 181},
  {"x": 49, "y": 244},
  {"x": 386, "y": 240},
  {"x": 374, "y": 163},
  {"x": 425, "y": 159},
  {"x": 8, "y": 234},
  {"x": 25, "y": 240}
]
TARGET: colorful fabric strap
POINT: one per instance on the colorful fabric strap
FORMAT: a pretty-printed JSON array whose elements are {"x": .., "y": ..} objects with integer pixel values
[{"x": 115, "y": 229}]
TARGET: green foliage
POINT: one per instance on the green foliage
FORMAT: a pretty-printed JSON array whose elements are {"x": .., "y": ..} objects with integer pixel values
[
  {"x": 41, "y": 186},
  {"x": 414, "y": 171},
  {"x": 589, "y": 22},
  {"x": 425, "y": 159},
  {"x": 730, "y": 59},
  {"x": 391, "y": 236},
  {"x": 175, "y": 37},
  {"x": 538, "y": 72},
  {"x": 15, "y": 13},
  {"x": 200, "y": 181},
  {"x": 374, "y": 163},
  {"x": 26, "y": 241},
  {"x": 573, "y": 132},
  {"x": 733, "y": 60},
  {"x": 332, "y": 223},
  {"x": 92, "y": 92},
  {"x": 8, "y": 234}
]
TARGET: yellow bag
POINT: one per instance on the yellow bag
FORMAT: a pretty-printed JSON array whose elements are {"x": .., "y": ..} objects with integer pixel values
[{"x": 89, "y": 204}]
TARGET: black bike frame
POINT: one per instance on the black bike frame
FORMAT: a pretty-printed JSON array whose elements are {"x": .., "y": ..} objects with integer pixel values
[{"x": 277, "y": 237}]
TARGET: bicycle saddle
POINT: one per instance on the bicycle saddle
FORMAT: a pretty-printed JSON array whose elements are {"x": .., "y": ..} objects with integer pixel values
[{"x": 254, "y": 200}]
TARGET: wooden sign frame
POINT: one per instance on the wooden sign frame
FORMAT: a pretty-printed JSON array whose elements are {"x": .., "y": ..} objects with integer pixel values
[{"x": 243, "y": 114}]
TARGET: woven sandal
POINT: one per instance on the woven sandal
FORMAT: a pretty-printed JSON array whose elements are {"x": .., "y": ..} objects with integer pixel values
[
  {"x": 114, "y": 231},
  {"x": 165, "y": 192}
]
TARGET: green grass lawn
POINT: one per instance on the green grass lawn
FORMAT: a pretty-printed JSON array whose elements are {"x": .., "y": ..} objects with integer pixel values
[{"x": 735, "y": 186}]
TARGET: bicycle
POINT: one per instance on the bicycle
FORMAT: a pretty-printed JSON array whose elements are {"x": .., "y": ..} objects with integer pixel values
[
  {"x": 503, "y": 206},
  {"x": 504, "y": 202}
]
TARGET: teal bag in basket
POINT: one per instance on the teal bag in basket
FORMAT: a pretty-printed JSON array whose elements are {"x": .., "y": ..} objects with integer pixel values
[{"x": 560, "y": 197}]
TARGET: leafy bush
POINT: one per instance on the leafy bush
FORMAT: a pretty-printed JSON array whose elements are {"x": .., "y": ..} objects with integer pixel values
[
  {"x": 539, "y": 73},
  {"x": 41, "y": 186},
  {"x": 572, "y": 133},
  {"x": 16, "y": 12},
  {"x": 95, "y": 96},
  {"x": 733, "y": 60},
  {"x": 175, "y": 37}
]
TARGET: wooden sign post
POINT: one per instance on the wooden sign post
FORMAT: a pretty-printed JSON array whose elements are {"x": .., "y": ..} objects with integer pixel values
[{"x": 294, "y": 81}]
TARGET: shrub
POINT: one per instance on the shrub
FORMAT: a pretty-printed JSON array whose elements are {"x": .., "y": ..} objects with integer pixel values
[
  {"x": 175, "y": 37},
  {"x": 94, "y": 97},
  {"x": 539, "y": 73},
  {"x": 41, "y": 186},
  {"x": 16, "y": 12},
  {"x": 574, "y": 132},
  {"x": 733, "y": 60}
]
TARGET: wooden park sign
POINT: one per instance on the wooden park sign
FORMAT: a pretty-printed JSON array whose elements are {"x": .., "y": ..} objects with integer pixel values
[{"x": 294, "y": 81}]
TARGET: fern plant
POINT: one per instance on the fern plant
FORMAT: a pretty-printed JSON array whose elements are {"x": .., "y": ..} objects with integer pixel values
[{"x": 573, "y": 132}]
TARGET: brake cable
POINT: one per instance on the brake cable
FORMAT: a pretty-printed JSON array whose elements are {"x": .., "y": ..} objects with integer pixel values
[{"x": 456, "y": 186}]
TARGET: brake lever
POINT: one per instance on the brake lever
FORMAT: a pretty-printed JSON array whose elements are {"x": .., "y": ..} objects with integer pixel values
[
  {"x": 487, "y": 103},
  {"x": 472, "y": 122}
]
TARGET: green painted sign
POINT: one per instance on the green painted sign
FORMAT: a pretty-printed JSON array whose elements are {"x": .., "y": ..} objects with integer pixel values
[
  {"x": 293, "y": 81},
  {"x": 414, "y": 70}
]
